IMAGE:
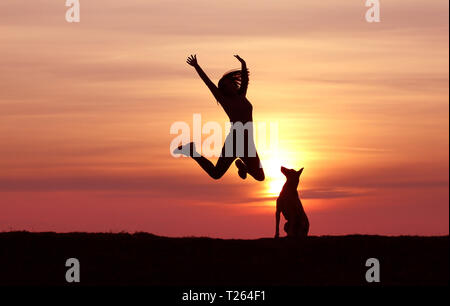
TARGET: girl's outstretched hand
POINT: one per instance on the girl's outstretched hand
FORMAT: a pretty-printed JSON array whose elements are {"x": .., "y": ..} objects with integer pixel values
[
  {"x": 240, "y": 59},
  {"x": 192, "y": 60}
]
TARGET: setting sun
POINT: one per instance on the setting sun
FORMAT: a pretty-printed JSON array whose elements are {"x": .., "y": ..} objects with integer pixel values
[{"x": 272, "y": 166}]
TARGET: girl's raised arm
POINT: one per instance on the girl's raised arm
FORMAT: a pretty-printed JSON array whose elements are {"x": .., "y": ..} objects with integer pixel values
[
  {"x": 244, "y": 76},
  {"x": 192, "y": 60}
]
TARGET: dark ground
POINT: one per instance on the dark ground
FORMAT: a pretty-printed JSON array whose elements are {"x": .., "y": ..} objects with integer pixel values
[{"x": 145, "y": 259}]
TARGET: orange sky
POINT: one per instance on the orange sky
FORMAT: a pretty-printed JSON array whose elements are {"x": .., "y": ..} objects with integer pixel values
[{"x": 86, "y": 110}]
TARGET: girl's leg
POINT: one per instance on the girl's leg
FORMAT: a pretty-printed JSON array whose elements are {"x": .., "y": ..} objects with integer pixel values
[
  {"x": 214, "y": 171},
  {"x": 242, "y": 168},
  {"x": 217, "y": 171},
  {"x": 254, "y": 167},
  {"x": 250, "y": 164}
]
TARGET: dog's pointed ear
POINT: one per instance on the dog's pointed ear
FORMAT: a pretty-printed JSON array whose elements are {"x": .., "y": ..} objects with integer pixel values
[
  {"x": 300, "y": 171},
  {"x": 283, "y": 170}
]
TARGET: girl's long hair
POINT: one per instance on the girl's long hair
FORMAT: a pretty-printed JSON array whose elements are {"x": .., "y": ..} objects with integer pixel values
[{"x": 234, "y": 76}]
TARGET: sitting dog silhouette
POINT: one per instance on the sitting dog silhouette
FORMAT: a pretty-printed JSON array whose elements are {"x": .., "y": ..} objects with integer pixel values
[{"x": 289, "y": 204}]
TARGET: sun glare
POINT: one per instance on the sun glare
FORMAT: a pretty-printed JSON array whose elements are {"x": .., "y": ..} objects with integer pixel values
[
  {"x": 275, "y": 178},
  {"x": 272, "y": 167}
]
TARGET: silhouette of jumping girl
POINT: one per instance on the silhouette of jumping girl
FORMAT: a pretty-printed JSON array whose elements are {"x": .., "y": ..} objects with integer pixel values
[{"x": 231, "y": 94}]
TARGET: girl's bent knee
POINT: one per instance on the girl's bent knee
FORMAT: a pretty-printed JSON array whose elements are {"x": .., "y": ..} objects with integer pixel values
[
  {"x": 260, "y": 176},
  {"x": 216, "y": 175}
]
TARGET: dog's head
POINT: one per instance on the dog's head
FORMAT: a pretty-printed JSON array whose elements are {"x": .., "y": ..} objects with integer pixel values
[{"x": 292, "y": 175}]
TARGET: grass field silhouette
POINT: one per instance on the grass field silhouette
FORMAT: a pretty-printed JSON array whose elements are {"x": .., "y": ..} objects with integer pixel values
[{"x": 145, "y": 259}]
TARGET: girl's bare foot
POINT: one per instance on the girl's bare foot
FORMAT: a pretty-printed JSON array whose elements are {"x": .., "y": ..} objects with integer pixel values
[
  {"x": 187, "y": 149},
  {"x": 242, "y": 169}
]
